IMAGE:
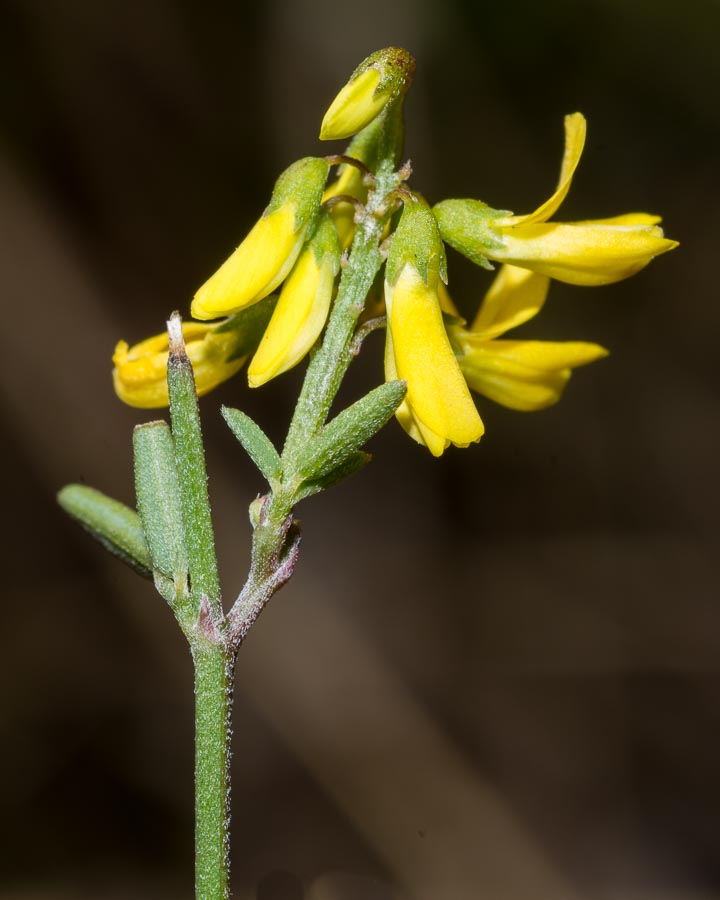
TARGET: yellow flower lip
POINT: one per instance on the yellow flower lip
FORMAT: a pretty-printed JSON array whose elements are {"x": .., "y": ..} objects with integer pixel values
[
  {"x": 254, "y": 270},
  {"x": 523, "y": 375}
]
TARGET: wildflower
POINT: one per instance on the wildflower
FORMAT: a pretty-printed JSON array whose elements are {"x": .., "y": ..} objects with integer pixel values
[
  {"x": 217, "y": 351},
  {"x": 379, "y": 79},
  {"x": 438, "y": 409},
  {"x": 268, "y": 253},
  {"x": 592, "y": 252},
  {"x": 522, "y": 375},
  {"x": 302, "y": 308}
]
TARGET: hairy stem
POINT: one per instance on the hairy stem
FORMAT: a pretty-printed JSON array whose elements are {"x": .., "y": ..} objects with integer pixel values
[
  {"x": 330, "y": 363},
  {"x": 214, "y": 670}
]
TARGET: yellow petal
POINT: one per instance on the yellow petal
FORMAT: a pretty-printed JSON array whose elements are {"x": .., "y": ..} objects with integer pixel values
[
  {"x": 515, "y": 296},
  {"x": 437, "y": 393},
  {"x": 255, "y": 269},
  {"x": 297, "y": 320},
  {"x": 140, "y": 372},
  {"x": 523, "y": 375},
  {"x": 404, "y": 414},
  {"x": 575, "y": 131},
  {"x": 635, "y": 218},
  {"x": 355, "y": 106},
  {"x": 588, "y": 253}
]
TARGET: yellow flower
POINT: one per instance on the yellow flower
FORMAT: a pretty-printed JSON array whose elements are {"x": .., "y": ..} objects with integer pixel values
[
  {"x": 380, "y": 78},
  {"x": 302, "y": 309},
  {"x": 140, "y": 373},
  {"x": 437, "y": 410},
  {"x": 592, "y": 252},
  {"x": 268, "y": 253},
  {"x": 522, "y": 375}
]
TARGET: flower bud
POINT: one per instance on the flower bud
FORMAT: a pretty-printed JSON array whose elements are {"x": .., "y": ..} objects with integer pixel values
[
  {"x": 380, "y": 78},
  {"x": 268, "y": 253}
]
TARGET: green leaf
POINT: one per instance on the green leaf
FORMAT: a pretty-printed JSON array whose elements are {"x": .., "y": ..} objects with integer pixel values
[
  {"x": 257, "y": 444},
  {"x": 191, "y": 471},
  {"x": 115, "y": 525},
  {"x": 348, "y": 467},
  {"x": 158, "y": 499},
  {"x": 339, "y": 440}
]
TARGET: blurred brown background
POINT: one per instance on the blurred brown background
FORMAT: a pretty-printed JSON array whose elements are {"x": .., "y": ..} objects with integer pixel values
[{"x": 493, "y": 676}]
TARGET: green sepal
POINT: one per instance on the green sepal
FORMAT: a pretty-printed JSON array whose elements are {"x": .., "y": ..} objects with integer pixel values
[
  {"x": 258, "y": 445},
  {"x": 395, "y": 67},
  {"x": 112, "y": 523},
  {"x": 301, "y": 185},
  {"x": 467, "y": 226},
  {"x": 324, "y": 241},
  {"x": 158, "y": 499},
  {"x": 417, "y": 242},
  {"x": 352, "y": 464},
  {"x": 248, "y": 326},
  {"x": 344, "y": 435}
]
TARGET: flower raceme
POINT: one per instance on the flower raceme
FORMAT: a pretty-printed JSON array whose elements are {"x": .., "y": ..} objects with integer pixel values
[
  {"x": 296, "y": 246},
  {"x": 585, "y": 253}
]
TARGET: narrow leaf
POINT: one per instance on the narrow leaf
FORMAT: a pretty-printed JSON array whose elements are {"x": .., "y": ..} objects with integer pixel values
[
  {"x": 350, "y": 430},
  {"x": 115, "y": 525},
  {"x": 191, "y": 471},
  {"x": 158, "y": 498},
  {"x": 348, "y": 467},
  {"x": 257, "y": 444}
]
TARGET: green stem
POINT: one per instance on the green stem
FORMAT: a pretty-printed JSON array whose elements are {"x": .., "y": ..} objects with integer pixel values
[
  {"x": 214, "y": 669},
  {"x": 330, "y": 362}
]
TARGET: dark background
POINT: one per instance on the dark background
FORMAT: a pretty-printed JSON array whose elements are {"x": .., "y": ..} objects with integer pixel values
[{"x": 495, "y": 675}]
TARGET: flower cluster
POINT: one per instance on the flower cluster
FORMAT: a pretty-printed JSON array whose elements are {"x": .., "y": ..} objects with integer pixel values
[{"x": 296, "y": 247}]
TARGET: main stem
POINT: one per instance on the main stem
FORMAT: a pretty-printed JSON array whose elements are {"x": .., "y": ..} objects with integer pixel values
[
  {"x": 214, "y": 670},
  {"x": 274, "y": 548}
]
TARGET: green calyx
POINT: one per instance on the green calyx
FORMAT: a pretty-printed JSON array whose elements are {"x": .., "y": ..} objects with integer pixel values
[
  {"x": 301, "y": 186},
  {"x": 467, "y": 225},
  {"x": 395, "y": 67},
  {"x": 417, "y": 242}
]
